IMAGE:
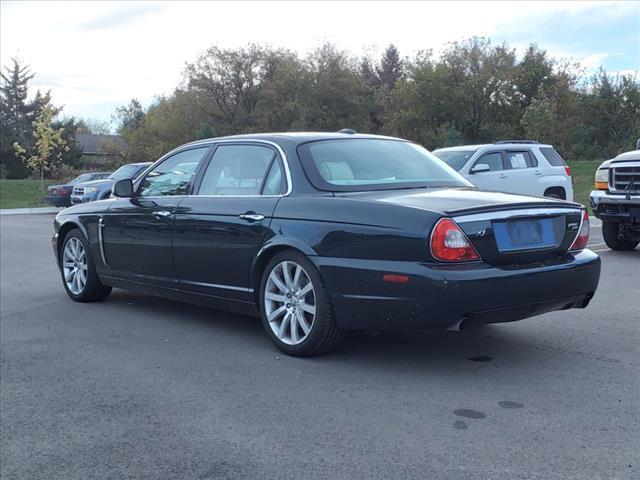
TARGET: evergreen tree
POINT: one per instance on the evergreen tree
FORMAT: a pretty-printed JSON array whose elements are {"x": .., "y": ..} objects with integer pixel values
[
  {"x": 17, "y": 115},
  {"x": 391, "y": 67}
]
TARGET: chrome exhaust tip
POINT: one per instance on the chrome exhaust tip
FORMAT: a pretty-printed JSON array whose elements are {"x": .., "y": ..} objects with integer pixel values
[{"x": 459, "y": 325}]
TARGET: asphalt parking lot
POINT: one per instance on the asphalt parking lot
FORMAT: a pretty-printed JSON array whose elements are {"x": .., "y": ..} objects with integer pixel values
[{"x": 142, "y": 388}]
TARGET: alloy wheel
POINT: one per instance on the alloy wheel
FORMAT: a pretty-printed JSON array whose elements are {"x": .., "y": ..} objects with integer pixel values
[
  {"x": 290, "y": 302},
  {"x": 74, "y": 265}
]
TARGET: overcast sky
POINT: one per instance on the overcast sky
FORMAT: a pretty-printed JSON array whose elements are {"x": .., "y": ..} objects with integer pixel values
[{"x": 95, "y": 56}]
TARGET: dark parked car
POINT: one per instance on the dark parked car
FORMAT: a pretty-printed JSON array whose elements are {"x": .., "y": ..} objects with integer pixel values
[
  {"x": 60, "y": 195},
  {"x": 101, "y": 189},
  {"x": 321, "y": 234}
]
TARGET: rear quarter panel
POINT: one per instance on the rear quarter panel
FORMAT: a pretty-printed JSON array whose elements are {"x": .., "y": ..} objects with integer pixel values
[{"x": 350, "y": 228}]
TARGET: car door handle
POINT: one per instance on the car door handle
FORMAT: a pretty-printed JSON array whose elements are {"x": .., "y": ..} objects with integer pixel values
[
  {"x": 160, "y": 214},
  {"x": 503, "y": 175},
  {"x": 252, "y": 217},
  {"x": 538, "y": 172}
]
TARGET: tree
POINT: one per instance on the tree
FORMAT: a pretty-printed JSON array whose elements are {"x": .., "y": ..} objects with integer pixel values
[
  {"x": 473, "y": 92},
  {"x": 336, "y": 97},
  {"x": 47, "y": 140},
  {"x": 129, "y": 117},
  {"x": 231, "y": 81},
  {"x": 538, "y": 120},
  {"x": 17, "y": 115},
  {"x": 93, "y": 126},
  {"x": 391, "y": 67}
]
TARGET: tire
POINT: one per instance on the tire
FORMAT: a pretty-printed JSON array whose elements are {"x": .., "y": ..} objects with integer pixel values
[
  {"x": 554, "y": 195},
  {"x": 304, "y": 334},
  {"x": 610, "y": 234},
  {"x": 75, "y": 256}
]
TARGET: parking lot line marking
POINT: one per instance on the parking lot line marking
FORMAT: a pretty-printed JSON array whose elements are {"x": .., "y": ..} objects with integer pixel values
[
  {"x": 596, "y": 244},
  {"x": 603, "y": 250}
]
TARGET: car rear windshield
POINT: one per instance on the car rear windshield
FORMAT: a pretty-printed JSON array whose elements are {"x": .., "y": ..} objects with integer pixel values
[
  {"x": 361, "y": 164},
  {"x": 125, "y": 171},
  {"x": 83, "y": 177},
  {"x": 456, "y": 159},
  {"x": 552, "y": 157}
]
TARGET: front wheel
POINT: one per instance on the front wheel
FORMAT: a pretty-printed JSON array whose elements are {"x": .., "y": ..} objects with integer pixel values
[
  {"x": 610, "y": 234},
  {"x": 296, "y": 307},
  {"x": 78, "y": 270}
]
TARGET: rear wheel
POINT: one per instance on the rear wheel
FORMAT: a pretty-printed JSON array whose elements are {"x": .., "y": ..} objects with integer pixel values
[
  {"x": 296, "y": 307},
  {"x": 610, "y": 234},
  {"x": 78, "y": 270}
]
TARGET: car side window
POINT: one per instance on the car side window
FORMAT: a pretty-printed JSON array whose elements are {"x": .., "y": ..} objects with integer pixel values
[
  {"x": 522, "y": 159},
  {"x": 493, "y": 159},
  {"x": 275, "y": 183},
  {"x": 242, "y": 170},
  {"x": 174, "y": 175}
]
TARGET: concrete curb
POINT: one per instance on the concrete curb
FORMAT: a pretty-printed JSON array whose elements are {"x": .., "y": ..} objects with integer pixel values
[{"x": 29, "y": 211}]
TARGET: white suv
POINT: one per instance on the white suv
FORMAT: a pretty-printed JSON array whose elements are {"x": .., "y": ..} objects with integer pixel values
[{"x": 514, "y": 166}]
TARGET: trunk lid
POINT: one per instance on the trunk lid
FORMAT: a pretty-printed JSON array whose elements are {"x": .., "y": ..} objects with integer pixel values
[
  {"x": 522, "y": 235},
  {"x": 505, "y": 229}
]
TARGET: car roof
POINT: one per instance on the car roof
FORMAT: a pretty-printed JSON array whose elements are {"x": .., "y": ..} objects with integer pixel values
[
  {"x": 294, "y": 137},
  {"x": 492, "y": 145},
  {"x": 463, "y": 147}
]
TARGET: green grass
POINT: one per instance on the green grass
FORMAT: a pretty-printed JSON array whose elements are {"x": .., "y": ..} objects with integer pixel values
[
  {"x": 583, "y": 173},
  {"x": 22, "y": 193}
]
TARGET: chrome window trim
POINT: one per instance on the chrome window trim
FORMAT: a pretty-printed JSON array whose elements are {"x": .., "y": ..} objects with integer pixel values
[
  {"x": 515, "y": 213},
  {"x": 240, "y": 141}
]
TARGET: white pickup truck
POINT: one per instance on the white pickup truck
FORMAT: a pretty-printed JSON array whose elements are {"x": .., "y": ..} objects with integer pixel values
[{"x": 616, "y": 200}]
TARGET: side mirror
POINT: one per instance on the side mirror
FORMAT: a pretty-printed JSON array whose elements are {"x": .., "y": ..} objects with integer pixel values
[
  {"x": 480, "y": 167},
  {"x": 123, "y": 188}
]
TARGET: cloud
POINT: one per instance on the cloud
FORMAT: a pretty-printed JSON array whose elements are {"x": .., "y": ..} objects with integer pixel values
[
  {"x": 122, "y": 16},
  {"x": 104, "y": 53},
  {"x": 593, "y": 61}
]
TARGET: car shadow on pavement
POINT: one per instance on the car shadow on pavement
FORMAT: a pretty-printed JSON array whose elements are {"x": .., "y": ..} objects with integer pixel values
[{"x": 476, "y": 344}]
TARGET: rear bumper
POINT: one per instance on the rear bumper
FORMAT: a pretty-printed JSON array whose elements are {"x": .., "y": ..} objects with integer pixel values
[
  {"x": 437, "y": 296},
  {"x": 58, "y": 200},
  {"x": 89, "y": 197}
]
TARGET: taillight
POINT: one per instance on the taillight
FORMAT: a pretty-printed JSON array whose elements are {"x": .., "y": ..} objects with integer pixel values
[
  {"x": 583, "y": 235},
  {"x": 568, "y": 170},
  {"x": 450, "y": 244}
]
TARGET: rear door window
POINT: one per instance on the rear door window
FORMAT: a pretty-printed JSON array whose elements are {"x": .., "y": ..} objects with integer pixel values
[
  {"x": 552, "y": 157},
  {"x": 241, "y": 170},
  {"x": 520, "y": 159}
]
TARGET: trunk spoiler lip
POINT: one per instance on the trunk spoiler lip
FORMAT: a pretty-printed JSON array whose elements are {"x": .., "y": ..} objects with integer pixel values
[
  {"x": 515, "y": 212},
  {"x": 498, "y": 207}
]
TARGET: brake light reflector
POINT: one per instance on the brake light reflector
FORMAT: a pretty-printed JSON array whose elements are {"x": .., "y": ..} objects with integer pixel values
[
  {"x": 388, "y": 277},
  {"x": 450, "y": 244},
  {"x": 568, "y": 170},
  {"x": 583, "y": 235}
]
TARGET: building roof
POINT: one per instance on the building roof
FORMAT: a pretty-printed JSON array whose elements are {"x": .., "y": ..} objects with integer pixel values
[{"x": 93, "y": 144}]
